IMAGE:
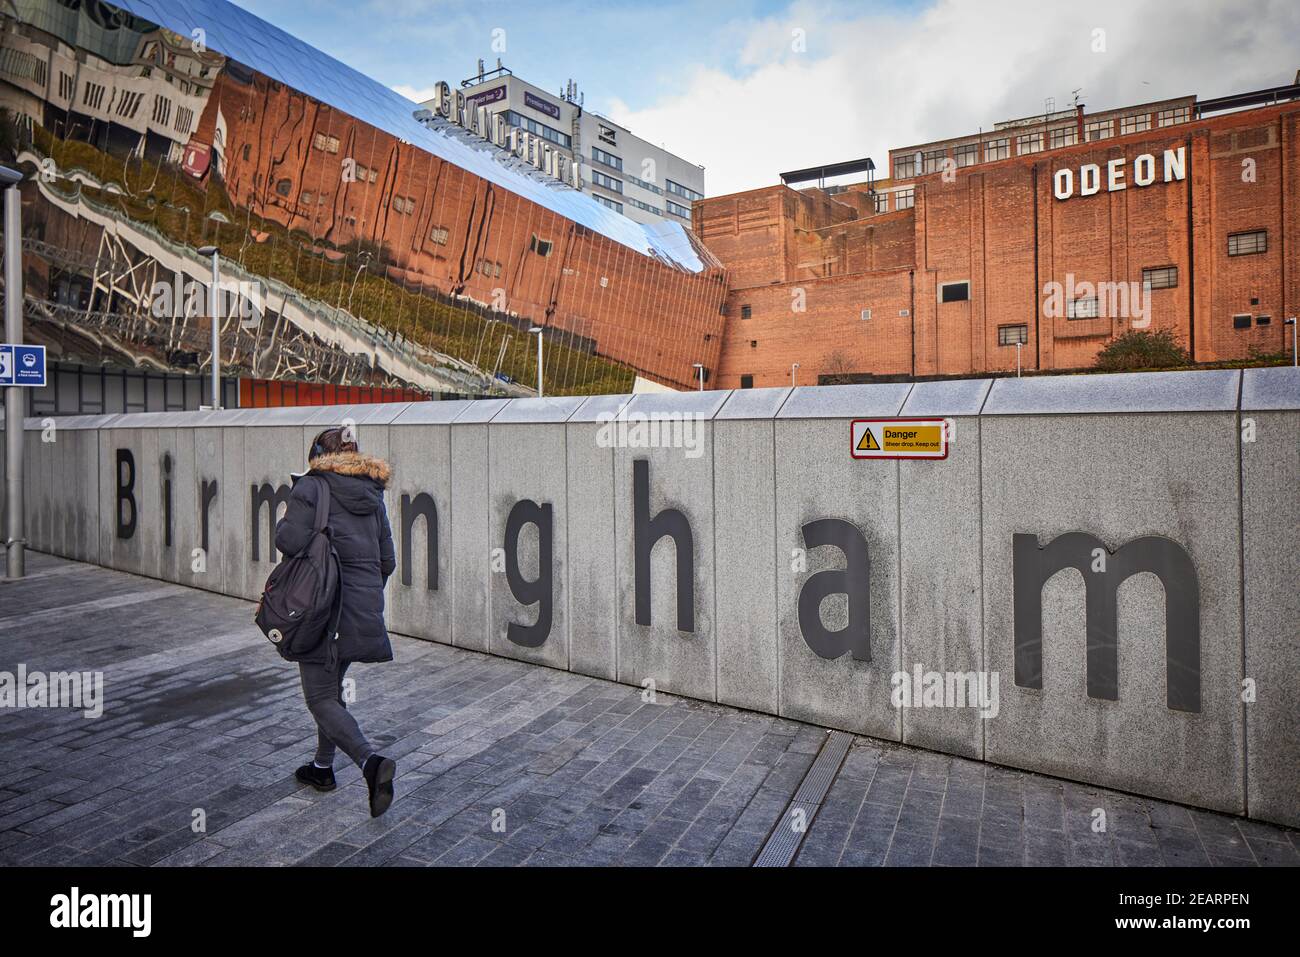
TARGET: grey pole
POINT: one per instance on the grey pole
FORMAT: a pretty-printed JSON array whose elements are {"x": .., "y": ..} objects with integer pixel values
[
  {"x": 216, "y": 322},
  {"x": 537, "y": 330},
  {"x": 15, "y": 533},
  {"x": 1295, "y": 330},
  {"x": 794, "y": 375},
  {"x": 1018, "y": 345},
  {"x": 699, "y": 366}
]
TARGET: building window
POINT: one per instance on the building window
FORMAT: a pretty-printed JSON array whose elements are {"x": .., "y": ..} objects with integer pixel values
[
  {"x": 866, "y": 314},
  {"x": 438, "y": 235},
  {"x": 537, "y": 129},
  {"x": 685, "y": 191},
  {"x": 1099, "y": 130},
  {"x": 753, "y": 343},
  {"x": 747, "y": 382},
  {"x": 540, "y": 246},
  {"x": 607, "y": 133},
  {"x": 284, "y": 187},
  {"x": 608, "y": 182},
  {"x": 997, "y": 149},
  {"x": 1263, "y": 320},
  {"x": 489, "y": 268},
  {"x": 325, "y": 143},
  {"x": 676, "y": 210},
  {"x": 1179, "y": 114},
  {"x": 882, "y": 202},
  {"x": 932, "y": 161},
  {"x": 1033, "y": 143},
  {"x": 1010, "y": 335},
  {"x": 248, "y": 151},
  {"x": 967, "y": 155},
  {"x": 905, "y": 198},
  {"x": 954, "y": 291},
  {"x": 616, "y": 207},
  {"x": 905, "y": 167},
  {"x": 650, "y": 187},
  {"x": 1137, "y": 123},
  {"x": 608, "y": 159},
  {"x": 403, "y": 204},
  {"x": 1064, "y": 136},
  {"x": 1245, "y": 244},
  {"x": 646, "y": 206},
  {"x": 1241, "y": 322},
  {"x": 1081, "y": 308},
  {"x": 1160, "y": 277}
]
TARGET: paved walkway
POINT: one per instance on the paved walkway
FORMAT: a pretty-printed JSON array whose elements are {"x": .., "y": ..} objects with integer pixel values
[{"x": 500, "y": 763}]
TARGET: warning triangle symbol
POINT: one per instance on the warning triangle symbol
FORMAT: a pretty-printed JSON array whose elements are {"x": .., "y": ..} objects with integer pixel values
[{"x": 868, "y": 442}]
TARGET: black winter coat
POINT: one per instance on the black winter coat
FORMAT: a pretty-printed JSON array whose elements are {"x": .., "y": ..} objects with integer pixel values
[{"x": 361, "y": 535}]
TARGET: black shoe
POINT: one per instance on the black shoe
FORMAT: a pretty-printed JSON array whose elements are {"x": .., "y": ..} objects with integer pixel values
[
  {"x": 378, "y": 772},
  {"x": 322, "y": 779}
]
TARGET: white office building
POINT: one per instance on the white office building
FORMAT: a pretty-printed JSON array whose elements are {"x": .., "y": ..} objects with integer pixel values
[{"x": 590, "y": 152}]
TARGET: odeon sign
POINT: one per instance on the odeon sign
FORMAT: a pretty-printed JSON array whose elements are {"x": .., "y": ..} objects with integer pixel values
[
  {"x": 1033, "y": 565},
  {"x": 1115, "y": 177}
]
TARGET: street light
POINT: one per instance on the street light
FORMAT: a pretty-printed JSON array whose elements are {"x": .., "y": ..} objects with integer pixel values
[
  {"x": 538, "y": 331},
  {"x": 700, "y": 366},
  {"x": 794, "y": 374},
  {"x": 1018, "y": 345},
  {"x": 365, "y": 262},
  {"x": 216, "y": 322},
  {"x": 13, "y": 271},
  {"x": 1295, "y": 357}
]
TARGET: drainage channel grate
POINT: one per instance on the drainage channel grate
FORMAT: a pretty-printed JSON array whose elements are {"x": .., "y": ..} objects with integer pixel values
[{"x": 783, "y": 843}]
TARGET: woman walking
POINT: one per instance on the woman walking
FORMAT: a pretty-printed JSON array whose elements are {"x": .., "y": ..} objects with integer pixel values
[{"x": 360, "y": 534}]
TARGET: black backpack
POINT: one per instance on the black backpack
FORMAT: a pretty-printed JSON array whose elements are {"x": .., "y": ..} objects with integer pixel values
[{"x": 301, "y": 601}]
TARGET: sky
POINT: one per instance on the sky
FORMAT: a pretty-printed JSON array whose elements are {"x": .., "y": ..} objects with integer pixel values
[{"x": 751, "y": 88}]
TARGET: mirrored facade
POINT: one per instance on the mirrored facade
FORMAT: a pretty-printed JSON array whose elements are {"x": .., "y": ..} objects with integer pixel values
[{"x": 357, "y": 244}]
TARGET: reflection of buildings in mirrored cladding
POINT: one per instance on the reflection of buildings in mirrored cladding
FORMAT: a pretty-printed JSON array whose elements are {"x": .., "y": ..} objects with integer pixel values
[{"x": 340, "y": 166}]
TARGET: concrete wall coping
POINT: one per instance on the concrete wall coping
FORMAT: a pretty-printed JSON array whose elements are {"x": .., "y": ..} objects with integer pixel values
[
  {"x": 68, "y": 422},
  {"x": 480, "y": 411},
  {"x": 435, "y": 412},
  {"x": 1273, "y": 388},
  {"x": 704, "y": 404},
  {"x": 845, "y": 401},
  {"x": 596, "y": 406},
  {"x": 950, "y": 397},
  {"x": 1217, "y": 390},
  {"x": 1208, "y": 391},
  {"x": 754, "y": 403},
  {"x": 550, "y": 409}
]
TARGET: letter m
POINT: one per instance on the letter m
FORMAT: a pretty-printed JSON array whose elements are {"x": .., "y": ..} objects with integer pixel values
[
  {"x": 1033, "y": 566},
  {"x": 273, "y": 498}
]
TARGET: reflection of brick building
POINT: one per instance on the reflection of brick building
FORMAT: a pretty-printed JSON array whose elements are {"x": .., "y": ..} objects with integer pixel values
[
  {"x": 294, "y": 161},
  {"x": 882, "y": 292}
]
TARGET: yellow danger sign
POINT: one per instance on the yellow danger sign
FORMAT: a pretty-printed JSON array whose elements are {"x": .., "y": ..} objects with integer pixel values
[{"x": 899, "y": 439}]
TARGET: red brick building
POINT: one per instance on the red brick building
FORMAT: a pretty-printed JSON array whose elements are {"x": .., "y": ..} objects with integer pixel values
[{"x": 1158, "y": 216}]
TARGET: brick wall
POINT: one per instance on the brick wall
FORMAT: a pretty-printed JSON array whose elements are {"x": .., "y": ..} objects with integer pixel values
[{"x": 1000, "y": 228}]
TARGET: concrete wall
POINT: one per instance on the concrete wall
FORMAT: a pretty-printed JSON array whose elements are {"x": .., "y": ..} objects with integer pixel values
[{"x": 1112, "y": 559}]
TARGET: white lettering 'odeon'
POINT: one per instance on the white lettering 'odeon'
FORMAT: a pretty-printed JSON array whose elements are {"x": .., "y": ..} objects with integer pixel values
[{"x": 1144, "y": 174}]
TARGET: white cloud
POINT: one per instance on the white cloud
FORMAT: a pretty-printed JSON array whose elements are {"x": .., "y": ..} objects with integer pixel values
[
  {"x": 867, "y": 84},
  {"x": 419, "y": 94}
]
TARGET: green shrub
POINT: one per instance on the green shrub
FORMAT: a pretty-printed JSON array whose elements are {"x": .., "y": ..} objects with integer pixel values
[{"x": 1142, "y": 350}]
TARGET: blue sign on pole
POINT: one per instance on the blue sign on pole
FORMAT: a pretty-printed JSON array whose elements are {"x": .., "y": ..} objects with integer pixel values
[{"x": 22, "y": 365}]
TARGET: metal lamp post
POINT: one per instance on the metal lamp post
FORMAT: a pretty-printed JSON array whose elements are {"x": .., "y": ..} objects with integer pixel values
[
  {"x": 699, "y": 366},
  {"x": 537, "y": 330},
  {"x": 794, "y": 375},
  {"x": 1018, "y": 345},
  {"x": 216, "y": 322},
  {"x": 1295, "y": 356},
  {"x": 15, "y": 539}
]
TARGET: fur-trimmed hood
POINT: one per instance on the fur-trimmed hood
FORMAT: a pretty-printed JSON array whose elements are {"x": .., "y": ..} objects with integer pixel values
[{"x": 355, "y": 464}]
